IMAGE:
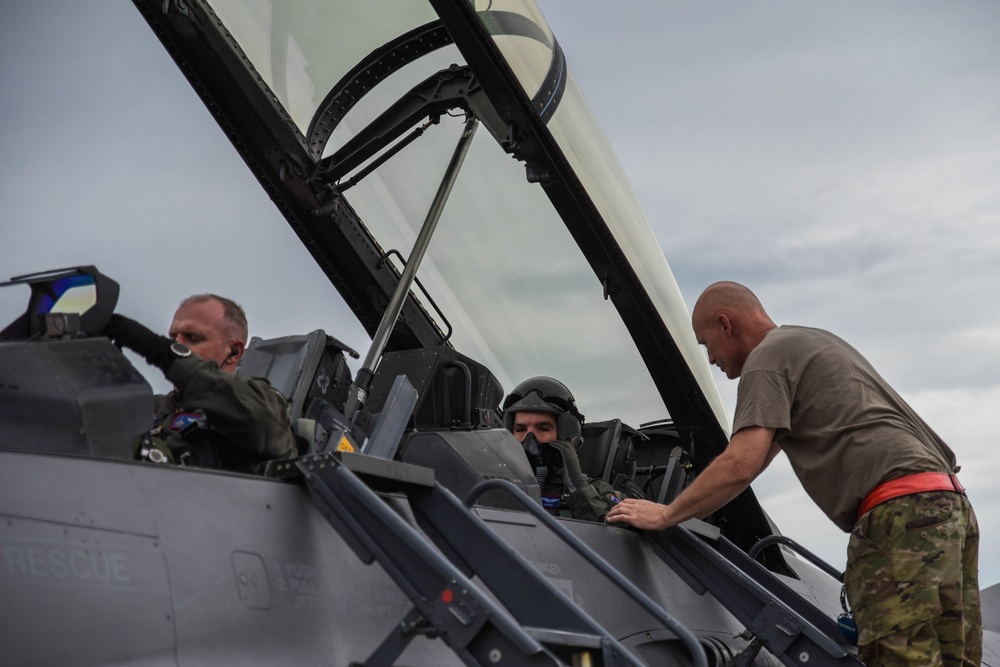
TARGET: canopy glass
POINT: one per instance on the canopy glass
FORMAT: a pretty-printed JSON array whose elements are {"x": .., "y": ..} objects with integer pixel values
[{"x": 506, "y": 279}]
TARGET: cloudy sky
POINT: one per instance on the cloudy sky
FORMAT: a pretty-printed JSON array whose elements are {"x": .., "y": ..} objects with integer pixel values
[{"x": 841, "y": 159}]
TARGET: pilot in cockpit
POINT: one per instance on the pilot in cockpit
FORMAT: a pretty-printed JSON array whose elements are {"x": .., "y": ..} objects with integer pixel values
[
  {"x": 212, "y": 417},
  {"x": 542, "y": 414}
]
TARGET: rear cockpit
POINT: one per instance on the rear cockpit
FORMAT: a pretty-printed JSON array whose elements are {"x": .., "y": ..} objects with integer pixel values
[{"x": 438, "y": 408}]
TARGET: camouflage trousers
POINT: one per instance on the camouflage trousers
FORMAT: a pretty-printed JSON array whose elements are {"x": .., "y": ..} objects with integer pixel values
[{"x": 913, "y": 582}]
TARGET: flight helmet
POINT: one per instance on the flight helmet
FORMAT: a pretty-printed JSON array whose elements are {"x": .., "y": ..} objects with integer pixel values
[{"x": 545, "y": 394}]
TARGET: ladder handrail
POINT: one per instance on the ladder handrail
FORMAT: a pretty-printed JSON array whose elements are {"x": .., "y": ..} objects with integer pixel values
[
  {"x": 797, "y": 548},
  {"x": 588, "y": 554}
]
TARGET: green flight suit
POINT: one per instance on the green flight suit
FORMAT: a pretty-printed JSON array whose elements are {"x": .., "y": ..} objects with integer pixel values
[{"x": 214, "y": 418}]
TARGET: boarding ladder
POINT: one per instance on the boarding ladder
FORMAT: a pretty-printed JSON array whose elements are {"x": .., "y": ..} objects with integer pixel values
[{"x": 545, "y": 628}]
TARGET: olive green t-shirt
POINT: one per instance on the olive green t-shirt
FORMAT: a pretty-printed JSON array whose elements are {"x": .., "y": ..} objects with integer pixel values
[{"x": 843, "y": 428}]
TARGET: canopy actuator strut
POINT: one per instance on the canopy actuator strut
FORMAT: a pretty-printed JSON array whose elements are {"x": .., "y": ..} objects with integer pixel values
[{"x": 363, "y": 379}]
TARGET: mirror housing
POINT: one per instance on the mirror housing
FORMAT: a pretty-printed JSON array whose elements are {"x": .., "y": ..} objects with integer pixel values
[{"x": 74, "y": 302}]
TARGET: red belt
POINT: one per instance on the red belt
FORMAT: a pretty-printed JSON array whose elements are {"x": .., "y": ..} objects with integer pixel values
[{"x": 908, "y": 485}]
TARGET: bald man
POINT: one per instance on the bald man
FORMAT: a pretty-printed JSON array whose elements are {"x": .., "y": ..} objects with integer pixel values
[
  {"x": 213, "y": 417},
  {"x": 865, "y": 457}
]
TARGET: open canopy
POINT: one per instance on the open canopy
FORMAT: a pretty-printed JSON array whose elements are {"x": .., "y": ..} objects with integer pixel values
[{"x": 542, "y": 262}]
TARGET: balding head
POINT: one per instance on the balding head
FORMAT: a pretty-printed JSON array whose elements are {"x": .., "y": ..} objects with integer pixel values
[
  {"x": 729, "y": 297},
  {"x": 231, "y": 311},
  {"x": 730, "y": 322},
  {"x": 214, "y": 327}
]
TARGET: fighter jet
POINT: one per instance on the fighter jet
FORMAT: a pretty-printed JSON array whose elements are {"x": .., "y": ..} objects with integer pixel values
[{"x": 441, "y": 166}]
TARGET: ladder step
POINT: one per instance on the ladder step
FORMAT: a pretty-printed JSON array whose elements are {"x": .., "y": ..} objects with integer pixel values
[
  {"x": 578, "y": 649},
  {"x": 552, "y": 637}
]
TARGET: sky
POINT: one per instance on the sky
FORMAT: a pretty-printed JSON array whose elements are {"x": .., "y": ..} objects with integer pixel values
[{"x": 841, "y": 159}]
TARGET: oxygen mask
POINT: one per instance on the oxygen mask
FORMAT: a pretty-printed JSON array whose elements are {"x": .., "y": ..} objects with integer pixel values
[{"x": 531, "y": 445}]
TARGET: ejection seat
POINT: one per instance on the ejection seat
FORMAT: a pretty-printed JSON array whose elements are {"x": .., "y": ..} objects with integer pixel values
[
  {"x": 454, "y": 427},
  {"x": 311, "y": 372},
  {"x": 607, "y": 450}
]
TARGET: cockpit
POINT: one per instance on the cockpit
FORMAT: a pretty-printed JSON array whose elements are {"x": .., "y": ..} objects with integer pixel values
[{"x": 433, "y": 407}]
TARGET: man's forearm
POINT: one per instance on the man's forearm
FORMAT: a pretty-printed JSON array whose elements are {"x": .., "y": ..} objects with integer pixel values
[
  {"x": 719, "y": 483},
  {"x": 749, "y": 452},
  {"x": 713, "y": 488}
]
